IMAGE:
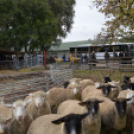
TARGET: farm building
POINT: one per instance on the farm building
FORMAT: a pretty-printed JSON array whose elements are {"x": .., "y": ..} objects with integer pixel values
[{"x": 63, "y": 49}]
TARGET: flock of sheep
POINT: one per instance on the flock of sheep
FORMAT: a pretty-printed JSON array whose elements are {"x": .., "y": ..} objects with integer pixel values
[{"x": 83, "y": 107}]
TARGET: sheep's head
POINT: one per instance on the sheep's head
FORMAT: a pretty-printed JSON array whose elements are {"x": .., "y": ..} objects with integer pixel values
[
  {"x": 66, "y": 83},
  {"x": 114, "y": 83},
  {"x": 39, "y": 98},
  {"x": 126, "y": 79},
  {"x": 106, "y": 89},
  {"x": 97, "y": 84},
  {"x": 92, "y": 106},
  {"x": 4, "y": 129},
  {"x": 72, "y": 123},
  {"x": 76, "y": 93},
  {"x": 121, "y": 104},
  {"x": 19, "y": 109}
]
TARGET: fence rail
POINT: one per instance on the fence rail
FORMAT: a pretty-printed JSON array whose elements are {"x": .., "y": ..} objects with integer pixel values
[{"x": 20, "y": 89}]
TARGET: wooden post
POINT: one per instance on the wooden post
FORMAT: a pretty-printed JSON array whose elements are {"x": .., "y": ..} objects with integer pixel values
[
  {"x": 76, "y": 52},
  {"x": 113, "y": 51},
  {"x": 44, "y": 60}
]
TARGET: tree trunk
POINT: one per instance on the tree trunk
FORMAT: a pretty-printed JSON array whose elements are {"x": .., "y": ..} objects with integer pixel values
[{"x": 25, "y": 48}]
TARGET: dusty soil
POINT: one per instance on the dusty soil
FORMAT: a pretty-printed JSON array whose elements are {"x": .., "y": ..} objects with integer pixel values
[{"x": 11, "y": 76}]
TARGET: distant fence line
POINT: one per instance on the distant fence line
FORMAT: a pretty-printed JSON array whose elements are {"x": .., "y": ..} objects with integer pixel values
[
  {"x": 20, "y": 89},
  {"x": 27, "y": 62}
]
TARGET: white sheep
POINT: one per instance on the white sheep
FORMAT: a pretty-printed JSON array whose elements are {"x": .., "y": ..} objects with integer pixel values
[
  {"x": 50, "y": 124},
  {"x": 113, "y": 113},
  {"x": 92, "y": 123},
  {"x": 130, "y": 104},
  {"x": 75, "y": 80},
  {"x": 57, "y": 95},
  {"x": 106, "y": 90},
  {"x": 74, "y": 85},
  {"x": 5, "y": 125},
  {"x": 58, "y": 60},
  {"x": 39, "y": 105},
  {"x": 86, "y": 82},
  {"x": 21, "y": 117}
]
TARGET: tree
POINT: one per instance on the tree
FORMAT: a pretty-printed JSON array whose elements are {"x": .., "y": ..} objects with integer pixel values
[
  {"x": 31, "y": 24},
  {"x": 122, "y": 19},
  {"x": 64, "y": 13}
]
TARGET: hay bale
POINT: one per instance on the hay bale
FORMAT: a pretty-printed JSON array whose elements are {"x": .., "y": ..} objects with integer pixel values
[
  {"x": 58, "y": 60},
  {"x": 75, "y": 60}
]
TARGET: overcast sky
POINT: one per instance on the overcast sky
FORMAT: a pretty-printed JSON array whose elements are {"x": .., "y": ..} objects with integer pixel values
[{"x": 87, "y": 22}]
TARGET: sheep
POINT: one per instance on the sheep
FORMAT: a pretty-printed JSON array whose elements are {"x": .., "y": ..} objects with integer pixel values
[
  {"x": 21, "y": 117},
  {"x": 58, "y": 60},
  {"x": 75, "y": 80},
  {"x": 117, "y": 88},
  {"x": 57, "y": 95},
  {"x": 75, "y": 60},
  {"x": 5, "y": 124},
  {"x": 113, "y": 113},
  {"x": 50, "y": 124},
  {"x": 92, "y": 123},
  {"x": 106, "y": 90},
  {"x": 128, "y": 79},
  {"x": 127, "y": 86},
  {"x": 84, "y": 83},
  {"x": 39, "y": 105},
  {"x": 74, "y": 85},
  {"x": 130, "y": 104},
  {"x": 66, "y": 83}
]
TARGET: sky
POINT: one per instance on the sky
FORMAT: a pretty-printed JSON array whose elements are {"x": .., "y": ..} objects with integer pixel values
[{"x": 87, "y": 22}]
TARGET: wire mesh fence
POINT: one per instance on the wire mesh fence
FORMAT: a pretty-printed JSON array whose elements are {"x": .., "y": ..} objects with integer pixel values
[{"x": 22, "y": 63}]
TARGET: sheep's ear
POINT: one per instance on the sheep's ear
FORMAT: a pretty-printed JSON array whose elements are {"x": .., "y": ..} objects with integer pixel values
[
  {"x": 82, "y": 103},
  {"x": 8, "y": 105},
  {"x": 84, "y": 115},
  {"x": 99, "y": 87},
  {"x": 100, "y": 101},
  {"x": 27, "y": 102},
  {"x": 9, "y": 120},
  {"x": 58, "y": 121},
  {"x": 128, "y": 99},
  {"x": 114, "y": 100}
]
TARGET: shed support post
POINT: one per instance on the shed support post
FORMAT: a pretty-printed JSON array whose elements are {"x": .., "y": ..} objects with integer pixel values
[{"x": 76, "y": 52}]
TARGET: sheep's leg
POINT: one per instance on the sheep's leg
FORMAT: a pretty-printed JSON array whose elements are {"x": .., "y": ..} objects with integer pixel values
[{"x": 133, "y": 126}]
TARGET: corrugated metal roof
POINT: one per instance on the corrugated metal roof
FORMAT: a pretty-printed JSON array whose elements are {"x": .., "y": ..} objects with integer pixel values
[{"x": 65, "y": 46}]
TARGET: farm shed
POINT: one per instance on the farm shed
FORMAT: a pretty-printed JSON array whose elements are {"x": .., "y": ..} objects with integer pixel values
[
  {"x": 63, "y": 49},
  {"x": 8, "y": 57}
]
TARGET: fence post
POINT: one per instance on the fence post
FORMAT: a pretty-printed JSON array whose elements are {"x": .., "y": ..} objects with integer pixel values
[
  {"x": 47, "y": 82},
  {"x": 31, "y": 59},
  {"x": 71, "y": 73}
]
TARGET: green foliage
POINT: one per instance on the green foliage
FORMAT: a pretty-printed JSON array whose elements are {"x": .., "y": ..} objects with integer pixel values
[
  {"x": 121, "y": 23},
  {"x": 64, "y": 13},
  {"x": 34, "y": 23}
]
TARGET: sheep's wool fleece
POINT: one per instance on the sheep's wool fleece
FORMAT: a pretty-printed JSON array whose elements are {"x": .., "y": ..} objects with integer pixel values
[
  {"x": 43, "y": 124},
  {"x": 8, "y": 112}
]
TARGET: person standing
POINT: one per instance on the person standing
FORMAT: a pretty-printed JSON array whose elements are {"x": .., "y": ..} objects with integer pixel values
[
  {"x": 93, "y": 58},
  {"x": 86, "y": 58},
  {"x": 106, "y": 55},
  {"x": 70, "y": 57},
  {"x": 81, "y": 56}
]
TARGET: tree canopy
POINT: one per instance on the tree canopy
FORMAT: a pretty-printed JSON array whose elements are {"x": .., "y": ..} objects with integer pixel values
[
  {"x": 121, "y": 22},
  {"x": 34, "y": 23}
]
